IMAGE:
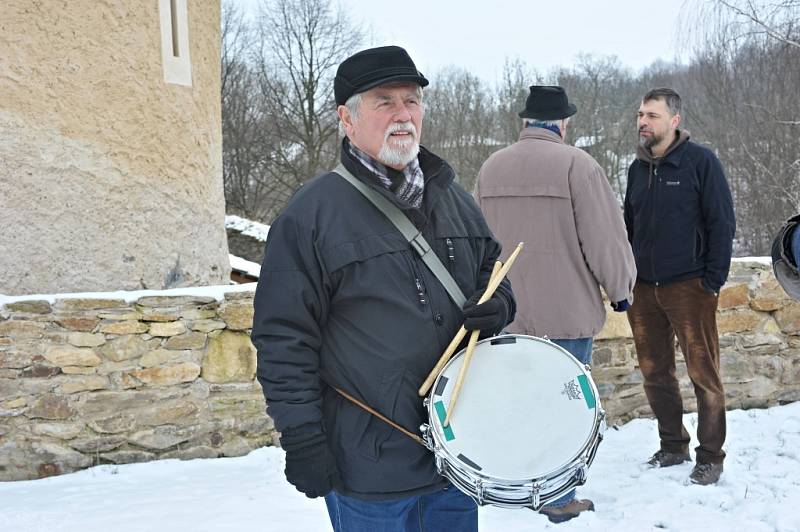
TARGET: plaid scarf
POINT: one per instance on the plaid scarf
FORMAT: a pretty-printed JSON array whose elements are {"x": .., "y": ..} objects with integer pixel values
[{"x": 408, "y": 185}]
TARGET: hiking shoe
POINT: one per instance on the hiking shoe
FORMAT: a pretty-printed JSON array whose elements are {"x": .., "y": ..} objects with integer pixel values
[
  {"x": 705, "y": 474},
  {"x": 664, "y": 458},
  {"x": 569, "y": 511}
]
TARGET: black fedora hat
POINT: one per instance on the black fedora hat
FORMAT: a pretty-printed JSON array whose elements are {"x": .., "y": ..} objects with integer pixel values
[
  {"x": 372, "y": 67},
  {"x": 783, "y": 263},
  {"x": 547, "y": 102}
]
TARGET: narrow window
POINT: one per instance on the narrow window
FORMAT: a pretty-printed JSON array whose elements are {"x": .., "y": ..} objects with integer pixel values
[
  {"x": 174, "y": 21},
  {"x": 173, "y": 12}
]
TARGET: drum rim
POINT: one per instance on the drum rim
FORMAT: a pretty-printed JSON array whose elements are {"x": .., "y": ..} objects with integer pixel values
[{"x": 594, "y": 436}]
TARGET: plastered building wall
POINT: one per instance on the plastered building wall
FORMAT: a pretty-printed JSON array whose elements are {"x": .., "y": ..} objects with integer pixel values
[{"x": 111, "y": 175}]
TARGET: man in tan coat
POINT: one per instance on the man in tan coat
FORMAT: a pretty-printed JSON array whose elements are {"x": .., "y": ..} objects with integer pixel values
[{"x": 557, "y": 200}]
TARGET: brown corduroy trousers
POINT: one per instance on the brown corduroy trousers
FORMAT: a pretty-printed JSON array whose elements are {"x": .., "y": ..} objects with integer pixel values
[{"x": 687, "y": 310}]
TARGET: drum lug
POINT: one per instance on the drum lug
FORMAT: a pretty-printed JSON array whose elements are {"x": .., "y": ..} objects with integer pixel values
[
  {"x": 481, "y": 491},
  {"x": 426, "y": 402},
  {"x": 535, "y": 489},
  {"x": 425, "y": 430},
  {"x": 440, "y": 464}
]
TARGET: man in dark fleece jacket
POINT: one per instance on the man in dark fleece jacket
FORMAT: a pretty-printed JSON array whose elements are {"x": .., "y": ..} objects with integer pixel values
[
  {"x": 680, "y": 222},
  {"x": 344, "y": 302}
]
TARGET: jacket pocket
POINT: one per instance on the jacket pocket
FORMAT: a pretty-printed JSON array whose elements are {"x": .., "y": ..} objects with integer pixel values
[
  {"x": 378, "y": 431},
  {"x": 343, "y": 254},
  {"x": 699, "y": 244}
]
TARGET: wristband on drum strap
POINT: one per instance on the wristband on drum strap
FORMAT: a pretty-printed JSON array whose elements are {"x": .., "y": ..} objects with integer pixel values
[{"x": 411, "y": 234}]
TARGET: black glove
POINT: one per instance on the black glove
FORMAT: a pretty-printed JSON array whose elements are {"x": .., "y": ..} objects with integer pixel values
[
  {"x": 489, "y": 317},
  {"x": 310, "y": 465},
  {"x": 621, "y": 306}
]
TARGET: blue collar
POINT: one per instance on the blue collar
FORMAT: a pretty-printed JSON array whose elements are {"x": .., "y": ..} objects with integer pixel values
[{"x": 552, "y": 127}]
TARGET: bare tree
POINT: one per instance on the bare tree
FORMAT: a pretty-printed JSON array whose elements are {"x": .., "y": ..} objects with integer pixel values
[
  {"x": 279, "y": 117},
  {"x": 607, "y": 96},
  {"x": 743, "y": 82},
  {"x": 511, "y": 93},
  {"x": 460, "y": 122},
  {"x": 776, "y": 19},
  {"x": 246, "y": 135},
  {"x": 301, "y": 44}
]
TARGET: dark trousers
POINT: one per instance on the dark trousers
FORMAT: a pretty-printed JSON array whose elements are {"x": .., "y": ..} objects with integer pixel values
[{"x": 687, "y": 310}]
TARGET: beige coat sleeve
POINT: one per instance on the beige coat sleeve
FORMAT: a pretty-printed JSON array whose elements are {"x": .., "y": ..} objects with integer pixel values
[{"x": 601, "y": 230}]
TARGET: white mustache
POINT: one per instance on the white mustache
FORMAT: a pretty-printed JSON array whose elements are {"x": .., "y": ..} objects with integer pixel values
[{"x": 407, "y": 127}]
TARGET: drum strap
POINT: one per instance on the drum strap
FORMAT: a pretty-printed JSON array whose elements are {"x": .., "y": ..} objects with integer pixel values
[
  {"x": 411, "y": 234},
  {"x": 379, "y": 416}
]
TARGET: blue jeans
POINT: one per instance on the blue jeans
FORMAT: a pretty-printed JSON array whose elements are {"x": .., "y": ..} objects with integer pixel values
[
  {"x": 581, "y": 349},
  {"x": 441, "y": 511}
]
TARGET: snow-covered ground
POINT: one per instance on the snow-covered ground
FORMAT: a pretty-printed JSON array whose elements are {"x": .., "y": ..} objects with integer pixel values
[{"x": 759, "y": 491}]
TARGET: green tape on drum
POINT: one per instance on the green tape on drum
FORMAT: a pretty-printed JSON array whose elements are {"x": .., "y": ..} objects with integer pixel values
[
  {"x": 588, "y": 395},
  {"x": 442, "y": 415}
]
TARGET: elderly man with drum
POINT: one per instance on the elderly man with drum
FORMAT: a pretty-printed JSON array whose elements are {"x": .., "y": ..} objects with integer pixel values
[{"x": 350, "y": 314}]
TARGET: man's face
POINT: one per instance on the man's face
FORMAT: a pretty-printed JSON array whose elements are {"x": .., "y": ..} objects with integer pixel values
[
  {"x": 388, "y": 124},
  {"x": 655, "y": 123}
]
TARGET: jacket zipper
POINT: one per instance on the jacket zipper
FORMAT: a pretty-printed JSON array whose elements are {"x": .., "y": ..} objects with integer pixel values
[
  {"x": 451, "y": 254},
  {"x": 420, "y": 288},
  {"x": 653, "y": 224},
  {"x": 420, "y": 291}
]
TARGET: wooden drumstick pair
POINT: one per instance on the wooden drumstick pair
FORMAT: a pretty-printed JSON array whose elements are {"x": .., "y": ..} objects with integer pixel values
[{"x": 498, "y": 273}]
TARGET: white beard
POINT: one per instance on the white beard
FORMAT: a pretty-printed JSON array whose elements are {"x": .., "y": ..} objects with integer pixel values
[{"x": 405, "y": 150}]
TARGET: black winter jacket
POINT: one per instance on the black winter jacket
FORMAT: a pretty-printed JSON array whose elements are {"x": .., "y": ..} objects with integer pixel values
[
  {"x": 343, "y": 301},
  {"x": 679, "y": 216}
]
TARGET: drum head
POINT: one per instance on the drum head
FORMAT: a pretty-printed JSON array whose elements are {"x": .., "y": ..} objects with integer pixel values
[{"x": 526, "y": 408}]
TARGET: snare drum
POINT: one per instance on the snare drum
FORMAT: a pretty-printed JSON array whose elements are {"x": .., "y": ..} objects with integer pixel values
[{"x": 526, "y": 425}]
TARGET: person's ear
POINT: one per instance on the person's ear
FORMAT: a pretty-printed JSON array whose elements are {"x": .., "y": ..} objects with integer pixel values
[{"x": 346, "y": 117}]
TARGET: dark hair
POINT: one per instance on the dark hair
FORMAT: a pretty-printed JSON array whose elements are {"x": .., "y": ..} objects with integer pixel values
[{"x": 670, "y": 97}]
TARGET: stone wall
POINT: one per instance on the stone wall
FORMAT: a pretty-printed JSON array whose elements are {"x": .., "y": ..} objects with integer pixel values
[
  {"x": 88, "y": 381},
  {"x": 111, "y": 178}
]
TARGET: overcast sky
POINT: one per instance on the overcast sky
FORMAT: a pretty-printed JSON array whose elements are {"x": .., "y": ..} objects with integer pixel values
[{"x": 480, "y": 35}]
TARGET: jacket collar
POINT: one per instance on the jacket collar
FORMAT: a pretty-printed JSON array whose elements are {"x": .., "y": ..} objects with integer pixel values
[
  {"x": 439, "y": 175},
  {"x": 673, "y": 155},
  {"x": 540, "y": 133}
]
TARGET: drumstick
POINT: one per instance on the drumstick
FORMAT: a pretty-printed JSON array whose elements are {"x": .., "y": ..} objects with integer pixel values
[
  {"x": 462, "y": 373},
  {"x": 453, "y": 343},
  {"x": 473, "y": 339},
  {"x": 494, "y": 282}
]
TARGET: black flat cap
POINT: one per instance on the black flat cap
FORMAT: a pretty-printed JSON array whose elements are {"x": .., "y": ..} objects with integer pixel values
[
  {"x": 547, "y": 102},
  {"x": 372, "y": 67}
]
